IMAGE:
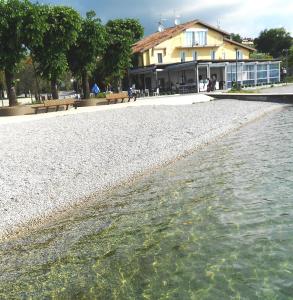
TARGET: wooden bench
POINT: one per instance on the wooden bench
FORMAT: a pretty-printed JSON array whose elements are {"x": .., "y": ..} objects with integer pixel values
[
  {"x": 55, "y": 103},
  {"x": 119, "y": 96}
]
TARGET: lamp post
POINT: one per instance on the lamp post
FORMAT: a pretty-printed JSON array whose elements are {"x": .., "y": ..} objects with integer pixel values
[
  {"x": 231, "y": 76},
  {"x": 236, "y": 49}
]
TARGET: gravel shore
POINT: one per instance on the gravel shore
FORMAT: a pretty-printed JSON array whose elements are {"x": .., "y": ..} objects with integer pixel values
[{"x": 53, "y": 163}]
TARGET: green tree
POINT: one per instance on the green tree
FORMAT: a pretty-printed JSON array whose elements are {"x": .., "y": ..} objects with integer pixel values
[
  {"x": 89, "y": 46},
  {"x": 273, "y": 41},
  {"x": 236, "y": 37},
  {"x": 288, "y": 60},
  {"x": 26, "y": 77},
  {"x": 21, "y": 26},
  {"x": 63, "y": 25},
  {"x": 27, "y": 80},
  {"x": 122, "y": 34}
]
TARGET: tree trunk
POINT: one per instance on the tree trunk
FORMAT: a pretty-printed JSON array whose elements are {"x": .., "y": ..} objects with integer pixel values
[
  {"x": 37, "y": 96},
  {"x": 118, "y": 85},
  {"x": 37, "y": 92},
  {"x": 85, "y": 85},
  {"x": 54, "y": 89},
  {"x": 11, "y": 93}
]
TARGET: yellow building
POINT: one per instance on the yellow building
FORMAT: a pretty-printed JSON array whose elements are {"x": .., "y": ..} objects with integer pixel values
[{"x": 185, "y": 56}]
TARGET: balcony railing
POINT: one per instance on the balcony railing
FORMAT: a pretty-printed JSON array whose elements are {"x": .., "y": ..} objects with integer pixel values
[{"x": 199, "y": 46}]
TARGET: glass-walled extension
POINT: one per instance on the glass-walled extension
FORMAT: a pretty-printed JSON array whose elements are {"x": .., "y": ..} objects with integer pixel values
[
  {"x": 195, "y": 76},
  {"x": 252, "y": 73},
  {"x": 274, "y": 72}
]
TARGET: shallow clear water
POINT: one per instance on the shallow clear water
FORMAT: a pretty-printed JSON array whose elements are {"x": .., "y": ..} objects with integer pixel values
[{"x": 216, "y": 225}]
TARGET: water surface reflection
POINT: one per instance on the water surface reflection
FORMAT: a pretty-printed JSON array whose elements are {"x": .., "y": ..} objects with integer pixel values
[{"x": 216, "y": 225}]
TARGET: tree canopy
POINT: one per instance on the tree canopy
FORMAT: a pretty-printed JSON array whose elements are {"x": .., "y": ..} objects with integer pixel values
[
  {"x": 273, "y": 41},
  {"x": 63, "y": 24},
  {"x": 236, "y": 37},
  {"x": 122, "y": 34},
  {"x": 21, "y": 26},
  {"x": 289, "y": 58},
  {"x": 89, "y": 46}
]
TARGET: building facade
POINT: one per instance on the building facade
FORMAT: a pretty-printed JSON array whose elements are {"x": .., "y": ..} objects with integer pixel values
[{"x": 182, "y": 58}]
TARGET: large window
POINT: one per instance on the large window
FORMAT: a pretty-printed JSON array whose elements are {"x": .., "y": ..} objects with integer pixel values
[
  {"x": 248, "y": 74},
  {"x": 274, "y": 72},
  {"x": 182, "y": 56},
  {"x": 239, "y": 54},
  {"x": 201, "y": 38},
  {"x": 160, "y": 58},
  {"x": 231, "y": 74},
  {"x": 262, "y": 73},
  {"x": 189, "y": 39},
  {"x": 195, "y": 38}
]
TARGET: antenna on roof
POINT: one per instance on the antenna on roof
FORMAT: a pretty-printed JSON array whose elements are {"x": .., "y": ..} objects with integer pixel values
[
  {"x": 177, "y": 20},
  {"x": 161, "y": 26},
  {"x": 218, "y": 23}
]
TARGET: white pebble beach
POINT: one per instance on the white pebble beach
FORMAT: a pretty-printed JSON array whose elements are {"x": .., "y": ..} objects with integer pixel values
[{"x": 53, "y": 161}]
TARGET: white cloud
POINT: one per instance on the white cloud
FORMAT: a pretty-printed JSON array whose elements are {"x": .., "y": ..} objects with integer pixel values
[
  {"x": 245, "y": 17},
  {"x": 253, "y": 16}
]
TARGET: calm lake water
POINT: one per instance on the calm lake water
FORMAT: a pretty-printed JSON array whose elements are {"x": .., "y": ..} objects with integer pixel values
[{"x": 216, "y": 225}]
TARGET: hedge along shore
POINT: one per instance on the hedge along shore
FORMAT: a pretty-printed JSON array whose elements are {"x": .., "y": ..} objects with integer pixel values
[{"x": 51, "y": 164}]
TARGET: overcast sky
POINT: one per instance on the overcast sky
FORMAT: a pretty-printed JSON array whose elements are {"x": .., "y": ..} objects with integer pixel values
[{"x": 246, "y": 17}]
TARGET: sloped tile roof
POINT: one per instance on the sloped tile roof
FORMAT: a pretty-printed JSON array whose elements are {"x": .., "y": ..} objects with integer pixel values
[
  {"x": 159, "y": 37},
  {"x": 239, "y": 44}
]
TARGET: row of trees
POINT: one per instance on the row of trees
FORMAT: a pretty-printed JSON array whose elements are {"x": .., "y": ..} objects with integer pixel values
[{"x": 55, "y": 39}]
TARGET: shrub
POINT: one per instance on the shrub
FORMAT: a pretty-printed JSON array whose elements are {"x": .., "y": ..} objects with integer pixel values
[
  {"x": 101, "y": 95},
  {"x": 236, "y": 86}
]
